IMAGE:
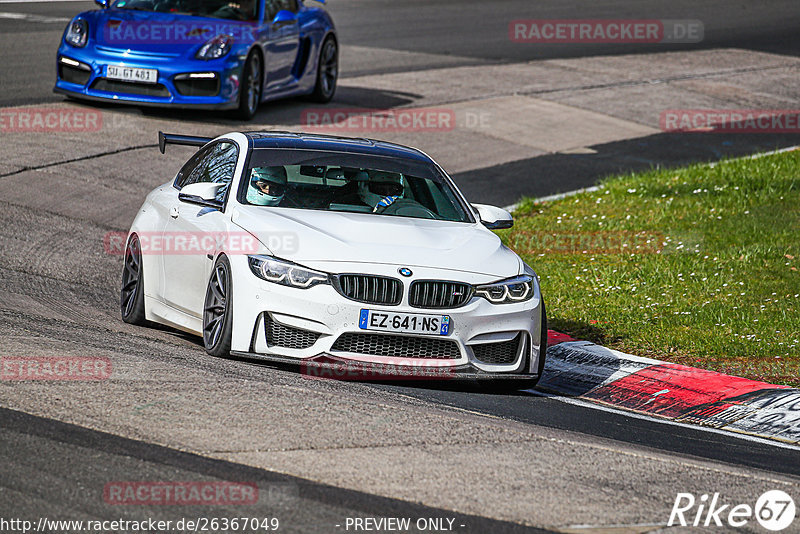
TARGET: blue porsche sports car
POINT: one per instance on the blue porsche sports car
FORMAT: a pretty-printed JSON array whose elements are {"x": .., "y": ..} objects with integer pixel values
[{"x": 205, "y": 54}]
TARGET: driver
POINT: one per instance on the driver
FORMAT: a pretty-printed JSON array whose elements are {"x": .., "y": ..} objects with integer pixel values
[
  {"x": 382, "y": 190},
  {"x": 267, "y": 186},
  {"x": 237, "y": 10}
]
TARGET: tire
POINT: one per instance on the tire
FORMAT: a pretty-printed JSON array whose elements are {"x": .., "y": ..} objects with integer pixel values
[
  {"x": 542, "y": 343},
  {"x": 327, "y": 71},
  {"x": 218, "y": 310},
  {"x": 131, "y": 297},
  {"x": 251, "y": 88}
]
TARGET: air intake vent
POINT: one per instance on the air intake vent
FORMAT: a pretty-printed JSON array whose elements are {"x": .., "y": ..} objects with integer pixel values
[
  {"x": 279, "y": 335},
  {"x": 503, "y": 353},
  {"x": 188, "y": 86},
  {"x": 398, "y": 346},
  {"x": 370, "y": 289},
  {"x": 73, "y": 74},
  {"x": 131, "y": 88},
  {"x": 434, "y": 294}
]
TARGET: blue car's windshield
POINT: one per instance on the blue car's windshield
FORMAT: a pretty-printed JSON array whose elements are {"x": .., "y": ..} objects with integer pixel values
[{"x": 244, "y": 10}]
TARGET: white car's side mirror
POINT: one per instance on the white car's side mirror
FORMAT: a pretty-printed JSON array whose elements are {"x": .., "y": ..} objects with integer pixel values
[
  {"x": 201, "y": 193},
  {"x": 494, "y": 218}
]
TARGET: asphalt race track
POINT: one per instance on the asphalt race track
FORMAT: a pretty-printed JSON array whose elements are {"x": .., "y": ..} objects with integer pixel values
[
  {"x": 530, "y": 121},
  {"x": 432, "y": 34}
]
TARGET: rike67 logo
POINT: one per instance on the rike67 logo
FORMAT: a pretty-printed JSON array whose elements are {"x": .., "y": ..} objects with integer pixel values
[{"x": 774, "y": 510}]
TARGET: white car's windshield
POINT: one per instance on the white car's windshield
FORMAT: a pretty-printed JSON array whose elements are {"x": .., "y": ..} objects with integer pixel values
[
  {"x": 379, "y": 188},
  {"x": 244, "y": 10}
]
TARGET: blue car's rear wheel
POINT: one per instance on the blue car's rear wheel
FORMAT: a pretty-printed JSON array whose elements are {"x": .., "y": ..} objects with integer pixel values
[
  {"x": 327, "y": 71},
  {"x": 250, "y": 87}
]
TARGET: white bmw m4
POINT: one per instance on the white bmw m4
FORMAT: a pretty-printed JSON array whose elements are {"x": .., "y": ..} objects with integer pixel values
[{"x": 330, "y": 252}]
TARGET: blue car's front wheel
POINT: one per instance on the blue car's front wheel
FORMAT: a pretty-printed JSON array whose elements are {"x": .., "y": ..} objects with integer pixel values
[{"x": 250, "y": 87}]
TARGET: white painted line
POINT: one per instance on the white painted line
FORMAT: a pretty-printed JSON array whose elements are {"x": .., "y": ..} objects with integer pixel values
[
  {"x": 557, "y": 196},
  {"x": 593, "y": 188},
  {"x": 603, "y": 527},
  {"x": 33, "y": 18},
  {"x": 757, "y": 156},
  {"x": 635, "y": 415}
]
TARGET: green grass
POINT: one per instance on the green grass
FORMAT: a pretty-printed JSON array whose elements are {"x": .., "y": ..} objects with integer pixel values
[{"x": 710, "y": 276}]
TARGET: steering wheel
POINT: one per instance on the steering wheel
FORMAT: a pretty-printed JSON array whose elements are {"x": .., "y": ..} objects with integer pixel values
[
  {"x": 348, "y": 189},
  {"x": 226, "y": 9},
  {"x": 406, "y": 207},
  {"x": 290, "y": 202}
]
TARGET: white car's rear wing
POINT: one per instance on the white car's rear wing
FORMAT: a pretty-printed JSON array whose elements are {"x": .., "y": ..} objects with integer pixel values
[{"x": 177, "y": 139}]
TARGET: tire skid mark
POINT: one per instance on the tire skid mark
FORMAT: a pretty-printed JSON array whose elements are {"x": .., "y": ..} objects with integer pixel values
[{"x": 73, "y": 160}]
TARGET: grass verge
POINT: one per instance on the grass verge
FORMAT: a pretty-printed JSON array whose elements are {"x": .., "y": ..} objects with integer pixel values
[{"x": 698, "y": 266}]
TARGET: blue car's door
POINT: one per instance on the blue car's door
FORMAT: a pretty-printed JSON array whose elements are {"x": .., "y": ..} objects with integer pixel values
[{"x": 284, "y": 42}]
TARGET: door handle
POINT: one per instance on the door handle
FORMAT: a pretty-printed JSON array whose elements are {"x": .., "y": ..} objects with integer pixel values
[{"x": 174, "y": 212}]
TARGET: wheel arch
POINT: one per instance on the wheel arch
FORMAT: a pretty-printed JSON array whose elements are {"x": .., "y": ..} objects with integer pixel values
[
  {"x": 150, "y": 271},
  {"x": 328, "y": 32},
  {"x": 257, "y": 48},
  {"x": 246, "y": 306}
]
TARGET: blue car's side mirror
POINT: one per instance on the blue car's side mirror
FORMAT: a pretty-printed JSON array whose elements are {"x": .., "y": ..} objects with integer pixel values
[
  {"x": 284, "y": 17},
  {"x": 101, "y": 3}
]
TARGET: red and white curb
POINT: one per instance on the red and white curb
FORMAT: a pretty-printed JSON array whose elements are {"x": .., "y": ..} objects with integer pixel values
[{"x": 583, "y": 370}]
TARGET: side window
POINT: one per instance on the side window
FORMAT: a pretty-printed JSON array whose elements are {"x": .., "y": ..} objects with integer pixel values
[
  {"x": 289, "y": 5},
  {"x": 215, "y": 164},
  {"x": 188, "y": 167},
  {"x": 271, "y": 8}
]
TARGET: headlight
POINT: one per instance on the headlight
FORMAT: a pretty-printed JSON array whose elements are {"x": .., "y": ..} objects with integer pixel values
[
  {"x": 286, "y": 273},
  {"x": 517, "y": 289},
  {"x": 215, "y": 48},
  {"x": 77, "y": 33}
]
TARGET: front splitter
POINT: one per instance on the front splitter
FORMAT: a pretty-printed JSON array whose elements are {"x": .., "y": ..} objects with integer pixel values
[{"x": 328, "y": 366}]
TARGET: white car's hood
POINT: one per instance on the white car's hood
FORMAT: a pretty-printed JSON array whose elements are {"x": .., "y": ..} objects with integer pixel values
[{"x": 321, "y": 236}]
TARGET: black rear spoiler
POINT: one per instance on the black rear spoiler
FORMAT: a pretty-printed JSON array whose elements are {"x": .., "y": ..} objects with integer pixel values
[{"x": 176, "y": 139}]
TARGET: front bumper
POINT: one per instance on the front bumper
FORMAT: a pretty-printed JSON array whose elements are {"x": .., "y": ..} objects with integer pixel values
[
  {"x": 87, "y": 80},
  {"x": 320, "y": 318}
]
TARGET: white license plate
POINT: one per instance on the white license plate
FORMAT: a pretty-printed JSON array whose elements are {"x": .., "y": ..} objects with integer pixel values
[
  {"x": 131, "y": 74},
  {"x": 409, "y": 323}
]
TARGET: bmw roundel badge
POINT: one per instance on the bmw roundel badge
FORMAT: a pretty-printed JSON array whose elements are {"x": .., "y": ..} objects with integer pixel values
[{"x": 405, "y": 271}]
